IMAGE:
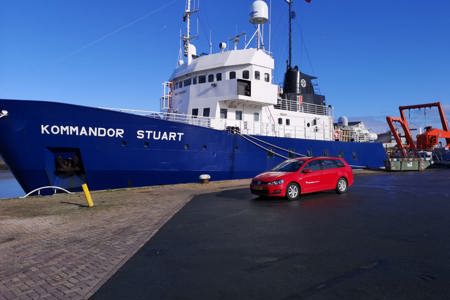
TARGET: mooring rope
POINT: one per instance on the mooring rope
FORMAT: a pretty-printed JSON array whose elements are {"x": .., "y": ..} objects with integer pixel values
[
  {"x": 260, "y": 146},
  {"x": 277, "y": 147}
]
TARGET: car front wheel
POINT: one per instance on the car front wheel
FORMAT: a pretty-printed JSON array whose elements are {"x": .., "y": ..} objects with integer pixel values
[
  {"x": 292, "y": 191},
  {"x": 341, "y": 186}
]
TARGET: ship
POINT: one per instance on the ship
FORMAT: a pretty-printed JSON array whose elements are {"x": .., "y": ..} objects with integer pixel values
[{"x": 221, "y": 115}]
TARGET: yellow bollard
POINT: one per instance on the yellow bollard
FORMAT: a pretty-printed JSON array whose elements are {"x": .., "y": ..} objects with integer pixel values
[{"x": 87, "y": 194}]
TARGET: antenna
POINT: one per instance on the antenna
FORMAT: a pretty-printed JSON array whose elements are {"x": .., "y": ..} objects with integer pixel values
[
  {"x": 180, "y": 52},
  {"x": 290, "y": 33},
  {"x": 210, "y": 43},
  {"x": 270, "y": 25},
  {"x": 235, "y": 39}
]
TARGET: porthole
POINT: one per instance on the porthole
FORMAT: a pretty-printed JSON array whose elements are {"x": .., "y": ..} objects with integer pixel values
[
  {"x": 146, "y": 144},
  {"x": 204, "y": 147},
  {"x": 186, "y": 147},
  {"x": 124, "y": 143}
]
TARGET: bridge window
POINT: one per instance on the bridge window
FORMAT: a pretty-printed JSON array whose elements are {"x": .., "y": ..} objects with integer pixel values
[
  {"x": 187, "y": 82},
  {"x": 280, "y": 121},
  {"x": 257, "y": 75},
  {"x": 266, "y": 77},
  {"x": 246, "y": 74},
  {"x": 219, "y": 77},
  {"x": 239, "y": 115},
  {"x": 195, "y": 111},
  {"x": 256, "y": 117},
  {"x": 223, "y": 113},
  {"x": 232, "y": 75},
  {"x": 180, "y": 84},
  {"x": 288, "y": 122},
  {"x": 211, "y": 78},
  {"x": 201, "y": 79},
  {"x": 194, "y": 80},
  {"x": 206, "y": 112}
]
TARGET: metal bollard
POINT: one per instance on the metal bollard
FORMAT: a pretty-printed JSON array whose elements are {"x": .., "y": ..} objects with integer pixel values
[{"x": 87, "y": 194}]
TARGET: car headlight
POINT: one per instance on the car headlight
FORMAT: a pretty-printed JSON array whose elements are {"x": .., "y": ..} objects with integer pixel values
[{"x": 276, "y": 182}]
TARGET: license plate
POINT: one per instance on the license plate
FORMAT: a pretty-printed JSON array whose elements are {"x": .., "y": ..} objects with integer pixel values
[{"x": 258, "y": 187}]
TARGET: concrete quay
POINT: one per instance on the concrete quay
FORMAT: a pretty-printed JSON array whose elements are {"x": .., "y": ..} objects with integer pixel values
[{"x": 57, "y": 248}]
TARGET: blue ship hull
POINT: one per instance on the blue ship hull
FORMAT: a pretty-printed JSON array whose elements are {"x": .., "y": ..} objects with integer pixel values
[{"x": 117, "y": 149}]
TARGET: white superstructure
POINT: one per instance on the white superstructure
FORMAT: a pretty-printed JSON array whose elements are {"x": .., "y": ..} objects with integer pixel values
[{"x": 234, "y": 88}]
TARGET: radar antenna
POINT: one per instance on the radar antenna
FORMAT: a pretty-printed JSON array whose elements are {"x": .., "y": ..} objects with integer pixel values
[{"x": 235, "y": 39}]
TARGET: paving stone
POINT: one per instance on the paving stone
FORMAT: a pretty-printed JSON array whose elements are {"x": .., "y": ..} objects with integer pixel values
[{"x": 62, "y": 251}]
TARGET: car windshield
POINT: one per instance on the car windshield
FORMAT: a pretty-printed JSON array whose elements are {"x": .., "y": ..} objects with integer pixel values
[{"x": 289, "y": 166}]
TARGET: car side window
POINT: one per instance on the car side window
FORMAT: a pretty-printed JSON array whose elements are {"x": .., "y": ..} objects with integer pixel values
[
  {"x": 314, "y": 165},
  {"x": 339, "y": 164},
  {"x": 329, "y": 164}
]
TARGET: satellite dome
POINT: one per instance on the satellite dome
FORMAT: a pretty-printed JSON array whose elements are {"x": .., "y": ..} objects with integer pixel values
[
  {"x": 373, "y": 136},
  {"x": 260, "y": 12},
  {"x": 343, "y": 121},
  {"x": 223, "y": 46}
]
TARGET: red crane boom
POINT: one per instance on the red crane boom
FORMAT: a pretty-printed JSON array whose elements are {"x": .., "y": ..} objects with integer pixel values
[{"x": 425, "y": 141}]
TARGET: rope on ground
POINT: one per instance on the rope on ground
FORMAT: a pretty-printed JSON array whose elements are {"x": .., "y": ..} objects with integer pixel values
[{"x": 277, "y": 147}]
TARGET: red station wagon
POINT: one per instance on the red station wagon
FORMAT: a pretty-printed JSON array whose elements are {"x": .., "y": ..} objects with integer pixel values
[{"x": 304, "y": 175}]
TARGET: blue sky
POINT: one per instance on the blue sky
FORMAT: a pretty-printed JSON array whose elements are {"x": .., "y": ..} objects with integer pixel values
[{"x": 370, "y": 56}]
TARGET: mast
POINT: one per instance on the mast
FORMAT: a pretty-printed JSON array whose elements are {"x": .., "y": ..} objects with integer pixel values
[
  {"x": 189, "y": 49},
  {"x": 290, "y": 33}
]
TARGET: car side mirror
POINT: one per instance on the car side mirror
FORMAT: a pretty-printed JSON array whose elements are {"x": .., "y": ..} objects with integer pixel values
[{"x": 307, "y": 171}]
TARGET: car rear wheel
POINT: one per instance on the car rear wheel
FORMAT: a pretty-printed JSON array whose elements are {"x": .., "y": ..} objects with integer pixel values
[
  {"x": 341, "y": 186},
  {"x": 292, "y": 191}
]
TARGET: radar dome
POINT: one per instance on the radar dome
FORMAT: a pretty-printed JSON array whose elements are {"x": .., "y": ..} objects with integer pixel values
[
  {"x": 192, "y": 50},
  {"x": 343, "y": 121},
  {"x": 373, "y": 136},
  {"x": 260, "y": 12}
]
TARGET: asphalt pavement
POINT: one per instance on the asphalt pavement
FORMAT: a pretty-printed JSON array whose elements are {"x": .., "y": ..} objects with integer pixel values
[{"x": 387, "y": 238}]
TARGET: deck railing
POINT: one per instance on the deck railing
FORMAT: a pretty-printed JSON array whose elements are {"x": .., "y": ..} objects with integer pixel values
[
  {"x": 181, "y": 118},
  {"x": 246, "y": 127},
  {"x": 310, "y": 108}
]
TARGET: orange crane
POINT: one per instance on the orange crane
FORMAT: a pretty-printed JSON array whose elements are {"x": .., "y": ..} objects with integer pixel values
[{"x": 425, "y": 141}]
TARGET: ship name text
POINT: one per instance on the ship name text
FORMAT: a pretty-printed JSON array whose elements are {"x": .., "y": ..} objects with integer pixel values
[
  {"x": 154, "y": 135},
  {"x": 82, "y": 131},
  {"x": 159, "y": 135}
]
